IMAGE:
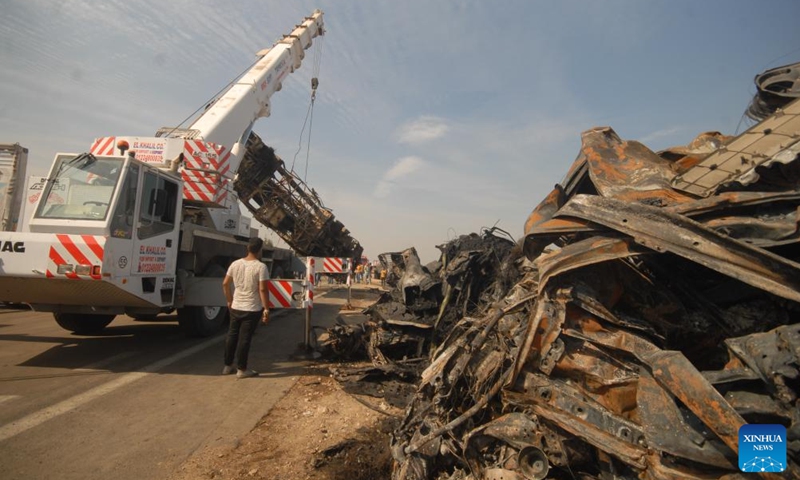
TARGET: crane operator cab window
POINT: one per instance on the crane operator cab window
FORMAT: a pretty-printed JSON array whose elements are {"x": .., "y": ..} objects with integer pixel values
[
  {"x": 157, "y": 205},
  {"x": 123, "y": 220},
  {"x": 81, "y": 188}
]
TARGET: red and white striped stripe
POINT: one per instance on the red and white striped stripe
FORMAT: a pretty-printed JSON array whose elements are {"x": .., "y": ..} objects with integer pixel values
[
  {"x": 103, "y": 146},
  {"x": 310, "y": 272},
  {"x": 281, "y": 293},
  {"x": 196, "y": 186},
  {"x": 75, "y": 250},
  {"x": 205, "y": 167},
  {"x": 332, "y": 265}
]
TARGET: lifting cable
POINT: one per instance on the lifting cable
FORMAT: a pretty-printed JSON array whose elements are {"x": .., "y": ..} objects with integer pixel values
[{"x": 317, "y": 47}]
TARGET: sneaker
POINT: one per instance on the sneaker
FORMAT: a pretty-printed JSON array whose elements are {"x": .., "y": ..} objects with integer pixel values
[
  {"x": 246, "y": 373},
  {"x": 228, "y": 369}
]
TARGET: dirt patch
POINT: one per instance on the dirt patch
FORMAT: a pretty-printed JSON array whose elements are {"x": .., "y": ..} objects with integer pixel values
[
  {"x": 364, "y": 457},
  {"x": 317, "y": 431}
]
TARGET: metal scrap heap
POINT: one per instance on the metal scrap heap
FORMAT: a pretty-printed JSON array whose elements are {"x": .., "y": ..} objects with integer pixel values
[
  {"x": 658, "y": 311},
  {"x": 423, "y": 307},
  {"x": 425, "y": 302}
]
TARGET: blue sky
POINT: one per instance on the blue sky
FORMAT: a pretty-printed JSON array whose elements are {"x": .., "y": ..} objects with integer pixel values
[{"x": 433, "y": 119}]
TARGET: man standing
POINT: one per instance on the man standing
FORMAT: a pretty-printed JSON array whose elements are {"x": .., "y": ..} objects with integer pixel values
[
  {"x": 367, "y": 273},
  {"x": 248, "y": 302}
]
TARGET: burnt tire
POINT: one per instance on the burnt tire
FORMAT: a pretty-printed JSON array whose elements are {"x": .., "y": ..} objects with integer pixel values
[
  {"x": 83, "y": 324},
  {"x": 204, "y": 321}
]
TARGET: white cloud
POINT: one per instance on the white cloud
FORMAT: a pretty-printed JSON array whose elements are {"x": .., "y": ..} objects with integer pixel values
[
  {"x": 658, "y": 134},
  {"x": 423, "y": 129},
  {"x": 403, "y": 168}
]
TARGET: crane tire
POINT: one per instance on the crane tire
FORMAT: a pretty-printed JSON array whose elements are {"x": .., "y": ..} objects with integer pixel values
[
  {"x": 204, "y": 321},
  {"x": 83, "y": 324}
]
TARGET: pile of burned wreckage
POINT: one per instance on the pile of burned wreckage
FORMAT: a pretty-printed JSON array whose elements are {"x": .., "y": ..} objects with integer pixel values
[{"x": 651, "y": 309}]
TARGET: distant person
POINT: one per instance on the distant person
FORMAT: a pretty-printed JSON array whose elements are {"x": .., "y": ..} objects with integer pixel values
[
  {"x": 367, "y": 274},
  {"x": 359, "y": 270},
  {"x": 383, "y": 277},
  {"x": 247, "y": 304}
]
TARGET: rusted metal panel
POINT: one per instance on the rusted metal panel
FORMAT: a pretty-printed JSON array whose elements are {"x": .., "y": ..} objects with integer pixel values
[
  {"x": 731, "y": 200},
  {"x": 682, "y": 379},
  {"x": 774, "y": 140},
  {"x": 666, "y": 427},
  {"x": 584, "y": 419},
  {"x": 686, "y": 156},
  {"x": 628, "y": 170},
  {"x": 594, "y": 250},
  {"x": 662, "y": 231},
  {"x": 774, "y": 356}
]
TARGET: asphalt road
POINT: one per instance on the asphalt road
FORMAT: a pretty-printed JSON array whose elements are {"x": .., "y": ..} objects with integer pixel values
[{"x": 136, "y": 400}]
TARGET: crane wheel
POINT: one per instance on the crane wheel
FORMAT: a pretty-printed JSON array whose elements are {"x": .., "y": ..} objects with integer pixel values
[
  {"x": 83, "y": 324},
  {"x": 204, "y": 321}
]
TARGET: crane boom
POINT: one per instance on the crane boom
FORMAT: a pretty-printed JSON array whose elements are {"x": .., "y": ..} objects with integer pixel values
[{"x": 229, "y": 120}]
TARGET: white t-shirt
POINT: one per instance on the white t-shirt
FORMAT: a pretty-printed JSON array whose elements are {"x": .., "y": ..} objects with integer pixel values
[{"x": 246, "y": 275}]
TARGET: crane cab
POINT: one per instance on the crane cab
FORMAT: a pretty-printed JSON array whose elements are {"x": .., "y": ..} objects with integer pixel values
[
  {"x": 104, "y": 234},
  {"x": 109, "y": 196}
]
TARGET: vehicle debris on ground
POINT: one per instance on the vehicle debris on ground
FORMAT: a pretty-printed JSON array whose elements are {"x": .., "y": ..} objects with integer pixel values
[
  {"x": 421, "y": 308},
  {"x": 656, "y": 310}
]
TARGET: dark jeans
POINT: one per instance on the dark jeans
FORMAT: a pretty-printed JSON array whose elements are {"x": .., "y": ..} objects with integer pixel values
[{"x": 240, "y": 333}]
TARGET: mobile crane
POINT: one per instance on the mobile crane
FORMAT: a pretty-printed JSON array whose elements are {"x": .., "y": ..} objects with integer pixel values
[{"x": 145, "y": 225}]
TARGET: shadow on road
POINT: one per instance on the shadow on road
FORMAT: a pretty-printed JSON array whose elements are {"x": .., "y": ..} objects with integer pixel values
[{"x": 133, "y": 346}]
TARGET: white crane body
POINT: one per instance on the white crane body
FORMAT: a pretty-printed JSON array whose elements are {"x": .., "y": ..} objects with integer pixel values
[{"x": 143, "y": 225}]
